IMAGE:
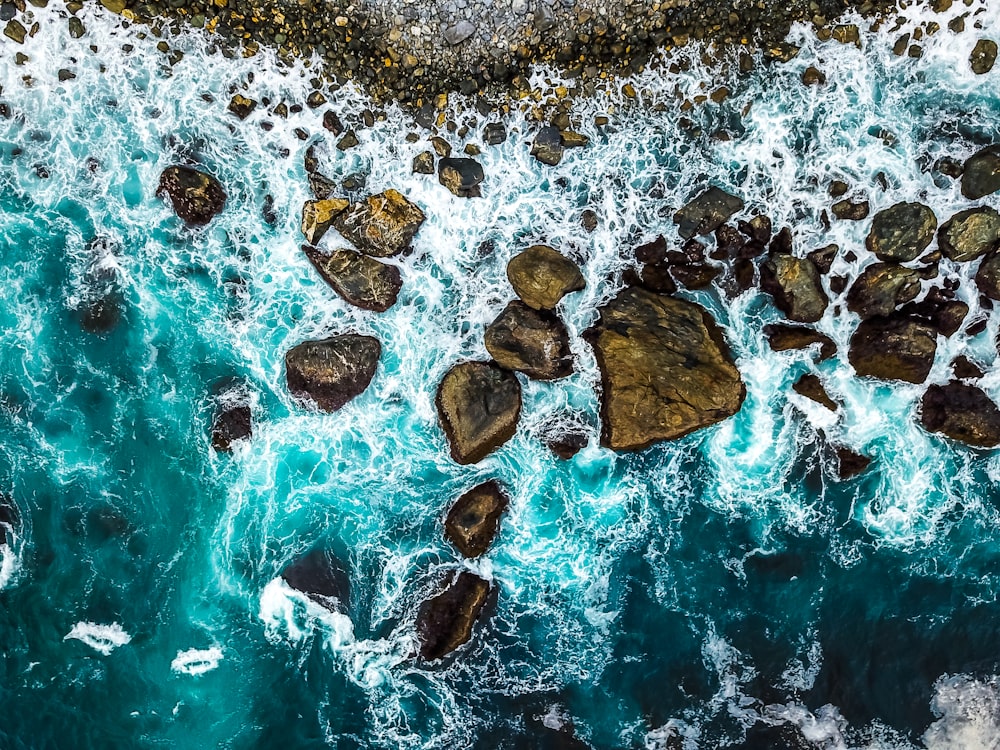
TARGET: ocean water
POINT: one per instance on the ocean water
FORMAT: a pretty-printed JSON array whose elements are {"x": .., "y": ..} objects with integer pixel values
[{"x": 724, "y": 590}]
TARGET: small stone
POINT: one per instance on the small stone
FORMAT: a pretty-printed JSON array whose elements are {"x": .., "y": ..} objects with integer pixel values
[
  {"x": 850, "y": 211},
  {"x": 984, "y": 54},
  {"x": 813, "y": 76},
  {"x": 441, "y": 146},
  {"x": 881, "y": 288},
  {"x": 330, "y": 121},
  {"x": 315, "y": 99},
  {"x": 795, "y": 285},
  {"x": 196, "y": 196},
  {"x": 232, "y": 423},
  {"x": 547, "y": 146},
  {"x": 76, "y": 27},
  {"x": 459, "y": 32},
  {"x": 494, "y": 133},
  {"x": 241, "y": 106},
  {"x": 115, "y": 6},
  {"x": 783, "y": 337},
  {"x": 445, "y": 621},
  {"x": 570, "y": 139},
  {"x": 534, "y": 342},
  {"x": 361, "y": 281},
  {"x": 350, "y": 140},
  {"x": 423, "y": 163},
  {"x": 961, "y": 412},
  {"x": 849, "y": 463},
  {"x": 893, "y": 348},
  {"x": 461, "y": 176},
  {"x": 382, "y": 225},
  {"x": 588, "y": 219},
  {"x": 970, "y": 234}
]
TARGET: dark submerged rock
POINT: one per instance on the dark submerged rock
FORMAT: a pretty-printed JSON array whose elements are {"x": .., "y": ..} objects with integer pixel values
[
  {"x": 530, "y": 341},
  {"x": 317, "y": 217},
  {"x": 567, "y": 444},
  {"x": 811, "y": 387},
  {"x": 707, "y": 212},
  {"x": 893, "y": 348},
  {"x": 881, "y": 288},
  {"x": 901, "y": 232},
  {"x": 961, "y": 412},
  {"x": 970, "y": 234},
  {"x": 332, "y": 371},
  {"x": 461, "y": 176},
  {"x": 445, "y": 621},
  {"x": 665, "y": 370},
  {"x": 981, "y": 174},
  {"x": 823, "y": 257},
  {"x": 232, "y": 423},
  {"x": 795, "y": 285},
  {"x": 382, "y": 225},
  {"x": 473, "y": 521},
  {"x": 479, "y": 405},
  {"x": 322, "y": 577},
  {"x": 197, "y": 197},
  {"x": 965, "y": 369},
  {"x": 782, "y": 337},
  {"x": 542, "y": 276},
  {"x": 362, "y": 281},
  {"x": 547, "y": 146}
]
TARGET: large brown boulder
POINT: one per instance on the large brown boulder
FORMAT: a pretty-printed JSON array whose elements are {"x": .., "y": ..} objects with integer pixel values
[
  {"x": 795, "y": 285},
  {"x": 360, "y": 280},
  {"x": 322, "y": 577},
  {"x": 534, "y": 342},
  {"x": 333, "y": 371},
  {"x": 981, "y": 174},
  {"x": 970, "y": 234},
  {"x": 473, "y": 521},
  {"x": 196, "y": 196},
  {"x": 893, "y": 348},
  {"x": 901, "y": 232},
  {"x": 706, "y": 212},
  {"x": 782, "y": 337},
  {"x": 665, "y": 370},
  {"x": 382, "y": 225},
  {"x": 542, "y": 276},
  {"x": 445, "y": 621},
  {"x": 479, "y": 404},
  {"x": 881, "y": 288},
  {"x": 963, "y": 413},
  {"x": 317, "y": 217}
]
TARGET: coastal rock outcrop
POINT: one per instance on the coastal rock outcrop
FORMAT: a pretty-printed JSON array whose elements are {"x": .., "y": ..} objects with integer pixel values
[
  {"x": 317, "y": 217},
  {"x": 706, "y": 212},
  {"x": 901, "y": 232},
  {"x": 961, "y": 412},
  {"x": 362, "y": 281},
  {"x": 479, "y": 405},
  {"x": 795, "y": 285},
  {"x": 881, "y": 288},
  {"x": 898, "y": 347},
  {"x": 534, "y": 342},
  {"x": 983, "y": 55},
  {"x": 197, "y": 197},
  {"x": 970, "y": 234},
  {"x": 445, "y": 621},
  {"x": 382, "y": 225},
  {"x": 473, "y": 521},
  {"x": 461, "y": 176},
  {"x": 322, "y": 577},
  {"x": 542, "y": 276},
  {"x": 332, "y": 371},
  {"x": 981, "y": 174},
  {"x": 665, "y": 370}
]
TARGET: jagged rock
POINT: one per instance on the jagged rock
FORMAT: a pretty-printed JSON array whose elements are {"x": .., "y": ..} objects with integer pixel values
[
  {"x": 459, "y": 32},
  {"x": 782, "y": 337},
  {"x": 360, "y": 280},
  {"x": 941, "y": 311},
  {"x": 981, "y": 173},
  {"x": 423, "y": 163},
  {"x": 461, "y": 176},
  {"x": 654, "y": 251},
  {"x": 795, "y": 285},
  {"x": 567, "y": 444},
  {"x": 893, "y": 348},
  {"x": 317, "y": 217},
  {"x": 901, "y": 232},
  {"x": 441, "y": 146},
  {"x": 196, "y": 196},
  {"x": 348, "y": 141},
  {"x": 233, "y": 422},
  {"x": 965, "y": 369},
  {"x": 530, "y": 341},
  {"x": 984, "y": 54},
  {"x": 849, "y": 463},
  {"x": 241, "y": 106},
  {"x": 881, "y": 288},
  {"x": 970, "y": 234},
  {"x": 657, "y": 278},
  {"x": 823, "y": 257},
  {"x": 665, "y": 370},
  {"x": 961, "y": 412},
  {"x": 707, "y": 212},
  {"x": 571, "y": 139},
  {"x": 472, "y": 522},
  {"x": 320, "y": 186},
  {"x": 542, "y": 276},
  {"x": 812, "y": 388},
  {"x": 322, "y": 577},
  {"x": 850, "y": 211},
  {"x": 782, "y": 243},
  {"x": 494, "y": 133},
  {"x": 331, "y": 121},
  {"x": 694, "y": 275},
  {"x": 445, "y": 621},
  {"x": 332, "y": 371},
  {"x": 382, "y": 225},
  {"x": 547, "y": 146},
  {"x": 758, "y": 229},
  {"x": 988, "y": 276},
  {"x": 479, "y": 405}
]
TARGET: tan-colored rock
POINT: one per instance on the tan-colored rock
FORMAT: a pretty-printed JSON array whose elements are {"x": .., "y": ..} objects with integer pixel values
[
  {"x": 317, "y": 217},
  {"x": 479, "y": 405},
  {"x": 474, "y": 519},
  {"x": 382, "y": 225},
  {"x": 542, "y": 276}
]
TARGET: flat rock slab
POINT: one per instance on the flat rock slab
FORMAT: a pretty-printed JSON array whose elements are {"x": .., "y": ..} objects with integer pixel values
[
  {"x": 530, "y": 341},
  {"x": 382, "y": 225},
  {"x": 445, "y": 621},
  {"x": 893, "y": 348},
  {"x": 881, "y": 288},
  {"x": 665, "y": 370},
  {"x": 901, "y": 232},
  {"x": 795, "y": 285},
  {"x": 479, "y": 405},
  {"x": 970, "y": 234},
  {"x": 461, "y": 176},
  {"x": 333, "y": 371},
  {"x": 961, "y": 412},
  {"x": 317, "y": 217},
  {"x": 197, "y": 197},
  {"x": 707, "y": 212},
  {"x": 473, "y": 521},
  {"x": 981, "y": 174},
  {"x": 362, "y": 281},
  {"x": 542, "y": 276},
  {"x": 322, "y": 577}
]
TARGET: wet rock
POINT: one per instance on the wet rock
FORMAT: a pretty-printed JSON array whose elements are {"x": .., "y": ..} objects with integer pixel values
[
  {"x": 547, "y": 146},
  {"x": 965, "y": 369},
  {"x": 479, "y": 405},
  {"x": 823, "y": 257},
  {"x": 970, "y": 234},
  {"x": 707, "y": 212},
  {"x": 811, "y": 387},
  {"x": 332, "y": 371},
  {"x": 782, "y": 337},
  {"x": 530, "y": 341},
  {"x": 441, "y": 146},
  {"x": 988, "y": 276},
  {"x": 362, "y": 281},
  {"x": 795, "y": 285},
  {"x": 652, "y": 252},
  {"x": 665, "y": 370},
  {"x": 320, "y": 186},
  {"x": 241, "y": 106},
  {"x": 850, "y": 211},
  {"x": 893, "y": 348},
  {"x": 881, "y": 288},
  {"x": 15, "y": 31},
  {"x": 588, "y": 220},
  {"x": 782, "y": 243},
  {"x": 568, "y": 443},
  {"x": 473, "y": 521},
  {"x": 813, "y": 76},
  {"x": 657, "y": 278},
  {"x": 445, "y": 621},
  {"x": 981, "y": 173},
  {"x": 461, "y": 176},
  {"x": 348, "y": 141},
  {"x": 332, "y": 122},
  {"x": 196, "y": 196},
  {"x": 233, "y": 419},
  {"x": 317, "y": 217},
  {"x": 571, "y": 139},
  {"x": 494, "y": 133},
  {"x": 322, "y": 577},
  {"x": 382, "y": 225},
  {"x": 984, "y": 54},
  {"x": 542, "y": 276},
  {"x": 943, "y": 313},
  {"x": 423, "y": 163},
  {"x": 901, "y": 232},
  {"x": 849, "y": 463},
  {"x": 961, "y": 412}
]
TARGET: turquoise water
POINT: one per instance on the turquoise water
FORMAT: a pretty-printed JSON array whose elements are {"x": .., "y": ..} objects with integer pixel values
[{"x": 721, "y": 591}]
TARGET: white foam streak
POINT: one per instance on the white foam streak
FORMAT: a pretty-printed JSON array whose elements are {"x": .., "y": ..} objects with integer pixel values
[
  {"x": 196, "y": 662},
  {"x": 102, "y": 638}
]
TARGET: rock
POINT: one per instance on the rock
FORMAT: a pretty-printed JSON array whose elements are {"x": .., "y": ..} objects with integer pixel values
[
  {"x": 459, "y": 32},
  {"x": 479, "y": 405},
  {"x": 965, "y": 369},
  {"x": 942, "y": 312},
  {"x": 665, "y": 370},
  {"x": 383, "y": 225},
  {"x": 547, "y": 146},
  {"x": 849, "y": 463},
  {"x": 984, "y": 54},
  {"x": 970, "y": 234},
  {"x": 795, "y": 285},
  {"x": 981, "y": 173},
  {"x": 322, "y": 577},
  {"x": 707, "y": 212},
  {"x": 76, "y": 27},
  {"x": 317, "y": 217},
  {"x": 813, "y": 76},
  {"x": 472, "y": 522},
  {"x": 782, "y": 337},
  {"x": 988, "y": 276},
  {"x": 332, "y": 122},
  {"x": 233, "y": 422},
  {"x": 241, "y": 106},
  {"x": 441, "y": 146},
  {"x": 694, "y": 275},
  {"x": 823, "y": 257},
  {"x": 961, "y": 412},
  {"x": 320, "y": 186},
  {"x": 657, "y": 278},
  {"x": 461, "y": 176},
  {"x": 542, "y": 276},
  {"x": 196, "y": 196},
  {"x": 851, "y": 211},
  {"x": 333, "y": 371},
  {"x": 652, "y": 252},
  {"x": 588, "y": 220},
  {"x": 570, "y": 139},
  {"x": 893, "y": 348},
  {"x": 362, "y": 281},
  {"x": 812, "y": 388},
  {"x": 881, "y": 288},
  {"x": 494, "y": 133},
  {"x": 348, "y": 141},
  {"x": 445, "y": 621},
  {"x": 901, "y": 232},
  {"x": 530, "y": 341},
  {"x": 568, "y": 443},
  {"x": 423, "y": 163}
]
